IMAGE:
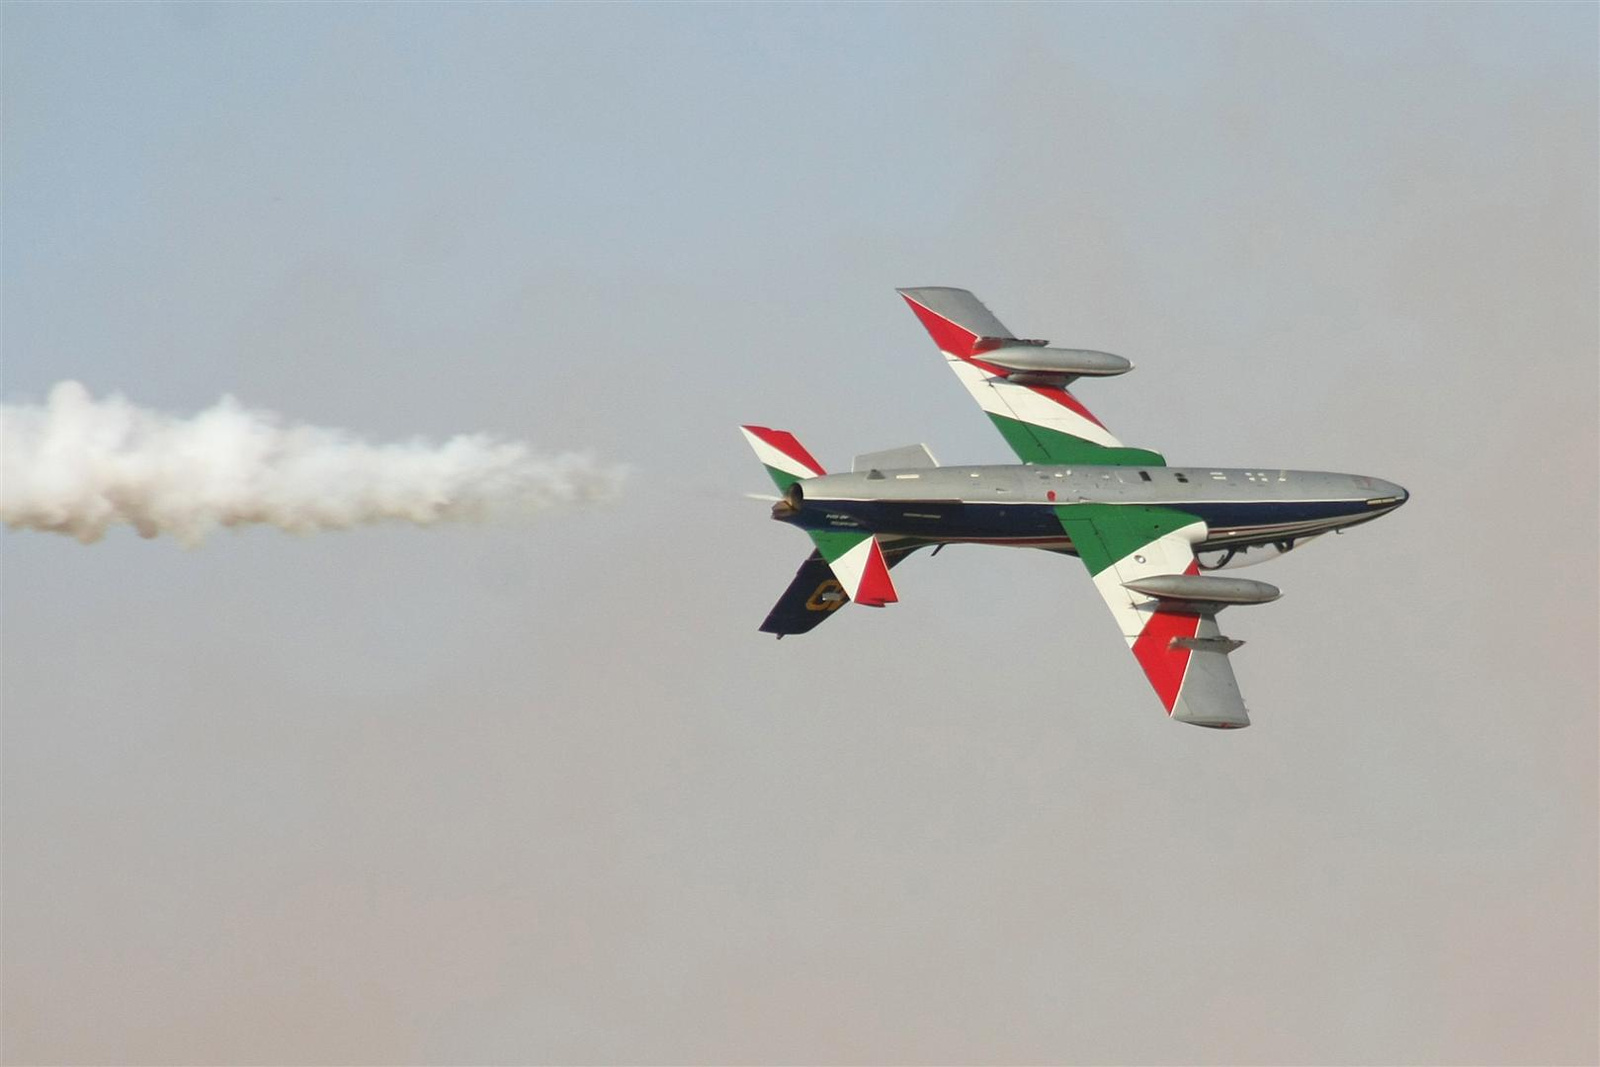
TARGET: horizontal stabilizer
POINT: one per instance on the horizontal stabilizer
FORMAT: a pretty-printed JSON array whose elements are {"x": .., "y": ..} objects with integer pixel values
[
  {"x": 907, "y": 457},
  {"x": 815, "y": 595},
  {"x": 857, "y": 561}
]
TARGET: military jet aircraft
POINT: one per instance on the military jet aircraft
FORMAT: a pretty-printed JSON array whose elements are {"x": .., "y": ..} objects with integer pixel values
[{"x": 1144, "y": 529}]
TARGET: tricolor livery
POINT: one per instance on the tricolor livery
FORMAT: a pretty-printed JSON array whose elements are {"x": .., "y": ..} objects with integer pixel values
[{"x": 1145, "y": 530}]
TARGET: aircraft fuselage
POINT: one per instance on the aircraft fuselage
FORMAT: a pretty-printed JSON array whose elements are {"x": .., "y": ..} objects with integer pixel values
[{"x": 1015, "y": 504}]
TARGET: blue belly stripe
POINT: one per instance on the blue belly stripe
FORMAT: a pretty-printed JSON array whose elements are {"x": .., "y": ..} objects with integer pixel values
[{"x": 1002, "y": 521}]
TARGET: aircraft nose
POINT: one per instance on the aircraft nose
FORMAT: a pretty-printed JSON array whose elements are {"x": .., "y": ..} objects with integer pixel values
[{"x": 1387, "y": 495}]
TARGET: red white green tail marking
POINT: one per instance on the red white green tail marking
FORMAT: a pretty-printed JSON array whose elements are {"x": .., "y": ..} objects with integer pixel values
[
  {"x": 857, "y": 562},
  {"x": 856, "y": 559},
  {"x": 785, "y": 458}
]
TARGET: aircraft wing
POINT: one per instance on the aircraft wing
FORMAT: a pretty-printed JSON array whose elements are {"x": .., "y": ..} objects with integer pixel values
[
  {"x": 1032, "y": 409},
  {"x": 815, "y": 594},
  {"x": 1176, "y": 641}
]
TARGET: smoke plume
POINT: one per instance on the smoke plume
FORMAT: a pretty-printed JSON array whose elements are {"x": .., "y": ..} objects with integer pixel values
[{"x": 77, "y": 465}]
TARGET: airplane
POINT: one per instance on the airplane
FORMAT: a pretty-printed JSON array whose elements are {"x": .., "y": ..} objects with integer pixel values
[{"x": 1145, "y": 530}]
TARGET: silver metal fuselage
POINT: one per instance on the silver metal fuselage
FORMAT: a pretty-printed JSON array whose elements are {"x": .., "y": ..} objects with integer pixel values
[{"x": 1015, "y": 504}]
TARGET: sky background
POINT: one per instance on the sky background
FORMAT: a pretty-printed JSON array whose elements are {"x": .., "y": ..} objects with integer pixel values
[{"x": 539, "y": 791}]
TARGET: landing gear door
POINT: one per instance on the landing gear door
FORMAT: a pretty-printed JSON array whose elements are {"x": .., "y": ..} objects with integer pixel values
[{"x": 1217, "y": 559}]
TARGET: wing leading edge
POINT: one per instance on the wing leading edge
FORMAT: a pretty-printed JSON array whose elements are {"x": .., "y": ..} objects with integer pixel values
[{"x": 1177, "y": 643}]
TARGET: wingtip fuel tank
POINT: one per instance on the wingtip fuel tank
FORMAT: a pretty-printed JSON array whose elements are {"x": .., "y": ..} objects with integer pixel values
[{"x": 1037, "y": 359}]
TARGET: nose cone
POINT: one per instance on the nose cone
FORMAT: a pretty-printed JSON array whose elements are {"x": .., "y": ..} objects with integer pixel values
[{"x": 1386, "y": 495}]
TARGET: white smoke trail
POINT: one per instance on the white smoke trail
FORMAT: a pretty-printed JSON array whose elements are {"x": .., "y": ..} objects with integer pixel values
[{"x": 77, "y": 465}]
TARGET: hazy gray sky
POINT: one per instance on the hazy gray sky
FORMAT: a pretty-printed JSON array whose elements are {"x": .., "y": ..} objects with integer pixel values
[{"x": 532, "y": 792}]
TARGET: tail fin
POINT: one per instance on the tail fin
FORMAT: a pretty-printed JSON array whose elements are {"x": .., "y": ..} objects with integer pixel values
[
  {"x": 785, "y": 458},
  {"x": 855, "y": 558}
]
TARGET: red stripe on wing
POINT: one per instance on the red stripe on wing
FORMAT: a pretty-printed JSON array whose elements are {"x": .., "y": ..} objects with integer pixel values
[
  {"x": 1066, "y": 400},
  {"x": 1053, "y": 393},
  {"x": 1163, "y": 664},
  {"x": 946, "y": 334}
]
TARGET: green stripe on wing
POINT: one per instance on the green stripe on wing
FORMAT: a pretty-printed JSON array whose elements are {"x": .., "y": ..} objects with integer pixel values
[
  {"x": 1040, "y": 444},
  {"x": 1105, "y": 533}
]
